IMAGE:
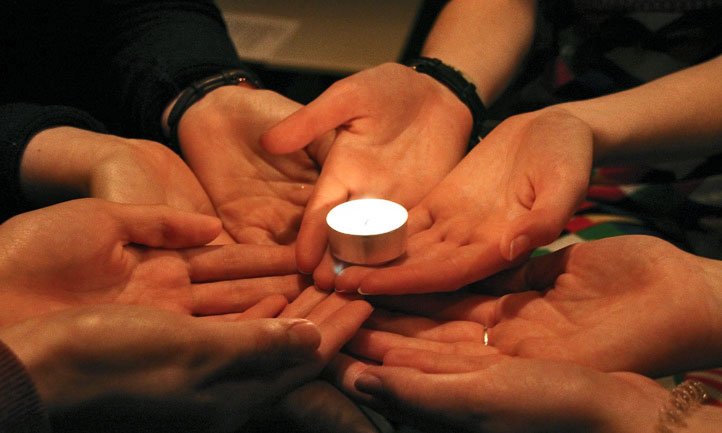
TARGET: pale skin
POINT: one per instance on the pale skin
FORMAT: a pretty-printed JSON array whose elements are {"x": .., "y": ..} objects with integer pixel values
[
  {"x": 540, "y": 165},
  {"x": 175, "y": 371},
  {"x": 65, "y": 162},
  {"x": 497, "y": 393},
  {"x": 405, "y": 127},
  {"x": 318, "y": 406},
  {"x": 544, "y": 167},
  {"x": 93, "y": 251},
  {"x": 628, "y": 303},
  {"x": 259, "y": 197}
]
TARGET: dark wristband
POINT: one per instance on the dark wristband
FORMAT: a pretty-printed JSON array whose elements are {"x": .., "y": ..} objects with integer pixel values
[
  {"x": 198, "y": 89},
  {"x": 457, "y": 83}
]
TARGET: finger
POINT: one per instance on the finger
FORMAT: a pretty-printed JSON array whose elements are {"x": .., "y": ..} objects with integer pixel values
[
  {"x": 164, "y": 227},
  {"x": 531, "y": 230},
  {"x": 400, "y": 385},
  {"x": 223, "y": 239},
  {"x": 253, "y": 341},
  {"x": 325, "y": 273},
  {"x": 304, "y": 303},
  {"x": 468, "y": 264},
  {"x": 239, "y": 295},
  {"x": 341, "y": 326},
  {"x": 420, "y": 219},
  {"x": 265, "y": 309},
  {"x": 329, "y": 306},
  {"x": 236, "y": 261},
  {"x": 313, "y": 233},
  {"x": 374, "y": 345},
  {"x": 349, "y": 278},
  {"x": 328, "y": 111},
  {"x": 342, "y": 371},
  {"x": 538, "y": 273},
  {"x": 439, "y": 363},
  {"x": 319, "y": 407},
  {"x": 555, "y": 203},
  {"x": 446, "y": 306},
  {"x": 425, "y": 328}
]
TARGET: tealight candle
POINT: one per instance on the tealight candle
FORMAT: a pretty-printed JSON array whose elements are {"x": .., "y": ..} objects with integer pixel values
[{"x": 368, "y": 231}]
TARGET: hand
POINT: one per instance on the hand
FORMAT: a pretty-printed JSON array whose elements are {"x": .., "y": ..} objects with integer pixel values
[
  {"x": 260, "y": 197},
  {"x": 440, "y": 376},
  {"x": 316, "y": 406},
  {"x": 513, "y": 192},
  {"x": 496, "y": 393},
  {"x": 92, "y": 251},
  {"x": 403, "y": 126},
  {"x": 66, "y": 162},
  {"x": 160, "y": 371},
  {"x": 632, "y": 303}
]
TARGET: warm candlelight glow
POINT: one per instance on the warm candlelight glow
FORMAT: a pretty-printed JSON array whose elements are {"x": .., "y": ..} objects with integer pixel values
[
  {"x": 367, "y": 231},
  {"x": 369, "y": 216}
]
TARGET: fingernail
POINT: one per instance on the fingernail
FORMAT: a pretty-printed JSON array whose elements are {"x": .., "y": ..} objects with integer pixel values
[
  {"x": 304, "y": 334},
  {"x": 369, "y": 384},
  {"x": 517, "y": 246},
  {"x": 343, "y": 290}
]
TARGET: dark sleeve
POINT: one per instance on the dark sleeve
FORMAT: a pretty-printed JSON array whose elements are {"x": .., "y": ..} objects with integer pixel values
[
  {"x": 18, "y": 124},
  {"x": 157, "y": 48},
  {"x": 20, "y": 408}
]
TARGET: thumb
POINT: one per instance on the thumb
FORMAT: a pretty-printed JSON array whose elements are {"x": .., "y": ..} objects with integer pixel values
[
  {"x": 326, "y": 113},
  {"x": 401, "y": 385},
  {"x": 272, "y": 340},
  {"x": 160, "y": 226},
  {"x": 531, "y": 230},
  {"x": 554, "y": 206}
]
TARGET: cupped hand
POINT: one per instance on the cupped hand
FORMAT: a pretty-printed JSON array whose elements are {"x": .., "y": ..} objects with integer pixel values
[
  {"x": 398, "y": 133},
  {"x": 513, "y": 192},
  {"x": 440, "y": 376},
  {"x": 632, "y": 303},
  {"x": 318, "y": 406},
  {"x": 132, "y": 368},
  {"x": 67, "y": 162},
  {"x": 259, "y": 197},
  {"x": 94, "y": 251},
  {"x": 497, "y": 393}
]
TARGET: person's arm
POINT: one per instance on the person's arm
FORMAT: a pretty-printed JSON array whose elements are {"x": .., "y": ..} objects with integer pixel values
[
  {"x": 405, "y": 125},
  {"x": 155, "y": 50},
  {"x": 453, "y": 391},
  {"x": 20, "y": 122},
  {"x": 486, "y": 41},
  {"x": 171, "y": 371},
  {"x": 676, "y": 116}
]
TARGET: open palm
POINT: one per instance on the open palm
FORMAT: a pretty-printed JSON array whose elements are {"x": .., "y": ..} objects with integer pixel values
[
  {"x": 514, "y": 191},
  {"x": 92, "y": 251},
  {"x": 259, "y": 197}
]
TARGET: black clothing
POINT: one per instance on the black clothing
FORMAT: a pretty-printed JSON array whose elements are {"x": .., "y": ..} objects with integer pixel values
[{"x": 119, "y": 61}]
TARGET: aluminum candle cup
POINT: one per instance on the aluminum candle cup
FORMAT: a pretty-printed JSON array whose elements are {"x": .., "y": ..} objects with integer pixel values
[{"x": 369, "y": 231}]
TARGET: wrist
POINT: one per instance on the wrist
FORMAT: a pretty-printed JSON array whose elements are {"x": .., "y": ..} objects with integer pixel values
[
  {"x": 58, "y": 162},
  {"x": 712, "y": 274},
  {"x": 175, "y": 110},
  {"x": 457, "y": 83},
  {"x": 708, "y": 419}
]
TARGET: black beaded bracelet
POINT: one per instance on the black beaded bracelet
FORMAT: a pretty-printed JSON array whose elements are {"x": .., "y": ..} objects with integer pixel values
[
  {"x": 457, "y": 83},
  {"x": 198, "y": 89}
]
